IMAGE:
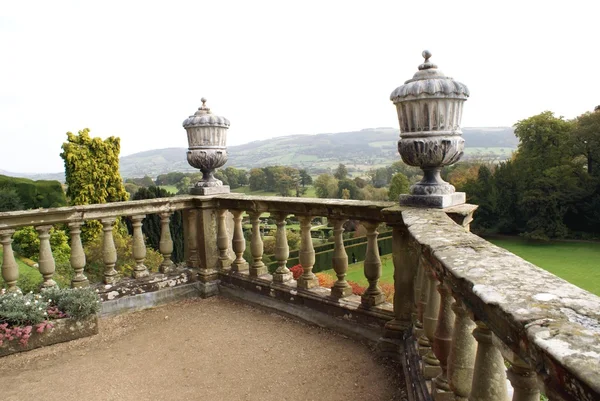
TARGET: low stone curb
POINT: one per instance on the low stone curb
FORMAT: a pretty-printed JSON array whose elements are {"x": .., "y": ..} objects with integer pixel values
[{"x": 64, "y": 330}]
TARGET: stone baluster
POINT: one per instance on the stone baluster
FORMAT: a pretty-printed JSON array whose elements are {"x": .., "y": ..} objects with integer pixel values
[
  {"x": 418, "y": 323},
  {"x": 192, "y": 260},
  {"x": 223, "y": 240},
  {"x": 523, "y": 380},
  {"x": 282, "y": 250},
  {"x": 422, "y": 305},
  {"x": 109, "y": 252},
  {"x": 443, "y": 343},
  {"x": 372, "y": 267},
  {"x": 10, "y": 269},
  {"x": 461, "y": 360},
  {"x": 520, "y": 374},
  {"x": 431, "y": 365},
  {"x": 341, "y": 288},
  {"x": 307, "y": 255},
  {"x": 139, "y": 247},
  {"x": 405, "y": 270},
  {"x": 238, "y": 243},
  {"x": 77, "y": 256},
  {"x": 489, "y": 377},
  {"x": 46, "y": 262},
  {"x": 165, "y": 245},
  {"x": 258, "y": 267},
  {"x": 422, "y": 340}
]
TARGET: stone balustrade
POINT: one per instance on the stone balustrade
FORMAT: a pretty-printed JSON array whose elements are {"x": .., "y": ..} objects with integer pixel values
[{"x": 463, "y": 310}]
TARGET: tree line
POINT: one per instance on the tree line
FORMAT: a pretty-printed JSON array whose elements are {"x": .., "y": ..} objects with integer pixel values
[{"x": 550, "y": 188}]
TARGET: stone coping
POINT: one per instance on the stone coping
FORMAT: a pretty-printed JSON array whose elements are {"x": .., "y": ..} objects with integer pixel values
[
  {"x": 551, "y": 324},
  {"x": 364, "y": 210}
]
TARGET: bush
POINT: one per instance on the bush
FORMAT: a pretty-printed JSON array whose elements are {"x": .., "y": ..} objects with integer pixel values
[
  {"x": 297, "y": 271},
  {"x": 20, "y": 310},
  {"x": 78, "y": 303},
  {"x": 325, "y": 280},
  {"x": 27, "y": 244}
]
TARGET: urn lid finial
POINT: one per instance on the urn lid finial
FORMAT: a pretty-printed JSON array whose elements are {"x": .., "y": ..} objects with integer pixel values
[
  {"x": 204, "y": 117},
  {"x": 429, "y": 81},
  {"x": 427, "y": 64}
]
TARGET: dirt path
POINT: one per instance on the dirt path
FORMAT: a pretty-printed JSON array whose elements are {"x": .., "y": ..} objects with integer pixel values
[{"x": 213, "y": 349}]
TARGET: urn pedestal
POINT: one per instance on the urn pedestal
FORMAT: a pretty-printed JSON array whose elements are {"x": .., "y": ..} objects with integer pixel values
[
  {"x": 207, "y": 140},
  {"x": 429, "y": 108}
]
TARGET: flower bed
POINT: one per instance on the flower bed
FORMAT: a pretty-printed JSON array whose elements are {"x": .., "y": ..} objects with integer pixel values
[{"x": 29, "y": 321}]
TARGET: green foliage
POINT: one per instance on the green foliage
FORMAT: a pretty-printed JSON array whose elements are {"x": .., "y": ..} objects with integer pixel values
[
  {"x": 341, "y": 172},
  {"x": 27, "y": 243},
  {"x": 399, "y": 185},
  {"x": 22, "y": 309},
  {"x": 145, "y": 181},
  {"x": 92, "y": 174},
  {"x": 77, "y": 303},
  {"x": 10, "y": 200},
  {"x": 31, "y": 194},
  {"x": 350, "y": 188},
  {"x": 92, "y": 169},
  {"x": 170, "y": 178},
  {"x": 305, "y": 178},
  {"x": 257, "y": 180},
  {"x": 545, "y": 191},
  {"x": 326, "y": 186},
  {"x": 586, "y": 138}
]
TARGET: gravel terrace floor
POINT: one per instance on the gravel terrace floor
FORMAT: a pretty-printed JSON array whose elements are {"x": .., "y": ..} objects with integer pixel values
[{"x": 202, "y": 349}]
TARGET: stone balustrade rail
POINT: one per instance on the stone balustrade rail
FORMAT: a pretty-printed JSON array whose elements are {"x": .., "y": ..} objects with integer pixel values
[{"x": 464, "y": 307}]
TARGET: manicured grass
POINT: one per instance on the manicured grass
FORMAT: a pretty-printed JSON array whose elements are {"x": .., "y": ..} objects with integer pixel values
[
  {"x": 576, "y": 262},
  {"x": 170, "y": 188},
  {"x": 24, "y": 270},
  {"x": 310, "y": 192},
  {"x": 356, "y": 271},
  {"x": 246, "y": 190}
]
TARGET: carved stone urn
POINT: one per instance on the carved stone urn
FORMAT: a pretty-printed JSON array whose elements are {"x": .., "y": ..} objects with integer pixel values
[
  {"x": 207, "y": 151},
  {"x": 429, "y": 110}
]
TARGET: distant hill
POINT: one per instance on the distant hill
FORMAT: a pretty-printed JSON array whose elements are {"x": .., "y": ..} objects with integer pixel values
[
  {"x": 36, "y": 176},
  {"x": 358, "y": 150}
]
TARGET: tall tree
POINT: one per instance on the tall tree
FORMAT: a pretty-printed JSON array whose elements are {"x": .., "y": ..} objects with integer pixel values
[
  {"x": 257, "y": 180},
  {"x": 587, "y": 139},
  {"x": 92, "y": 174},
  {"x": 92, "y": 169},
  {"x": 341, "y": 172},
  {"x": 326, "y": 186},
  {"x": 399, "y": 185},
  {"x": 305, "y": 178}
]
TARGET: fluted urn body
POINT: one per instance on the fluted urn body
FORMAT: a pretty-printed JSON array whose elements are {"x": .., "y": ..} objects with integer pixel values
[
  {"x": 429, "y": 108},
  {"x": 207, "y": 151}
]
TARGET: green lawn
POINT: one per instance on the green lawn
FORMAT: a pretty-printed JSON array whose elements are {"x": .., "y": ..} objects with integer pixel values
[
  {"x": 576, "y": 262},
  {"x": 310, "y": 192},
  {"x": 356, "y": 271},
  {"x": 24, "y": 270},
  {"x": 170, "y": 188}
]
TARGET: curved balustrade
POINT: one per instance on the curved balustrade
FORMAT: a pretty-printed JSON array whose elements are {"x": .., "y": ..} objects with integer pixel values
[{"x": 465, "y": 307}]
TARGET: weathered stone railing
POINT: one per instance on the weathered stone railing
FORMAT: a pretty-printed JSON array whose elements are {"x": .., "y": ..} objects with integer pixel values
[
  {"x": 43, "y": 219},
  {"x": 461, "y": 305},
  {"x": 545, "y": 328}
]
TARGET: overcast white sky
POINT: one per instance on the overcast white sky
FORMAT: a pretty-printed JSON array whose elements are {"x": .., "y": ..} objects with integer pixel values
[{"x": 137, "y": 69}]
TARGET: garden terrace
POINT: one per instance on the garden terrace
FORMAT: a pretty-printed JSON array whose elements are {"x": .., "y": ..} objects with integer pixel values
[{"x": 462, "y": 307}]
